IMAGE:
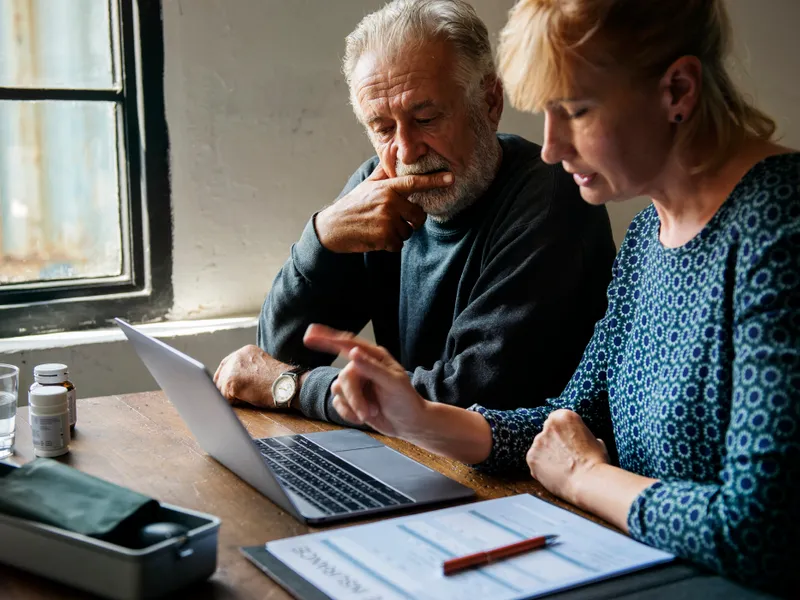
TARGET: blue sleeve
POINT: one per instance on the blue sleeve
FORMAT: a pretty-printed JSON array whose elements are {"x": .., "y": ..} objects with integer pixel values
[
  {"x": 586, "y": 394},
  {"x": 746, "y": 523}
]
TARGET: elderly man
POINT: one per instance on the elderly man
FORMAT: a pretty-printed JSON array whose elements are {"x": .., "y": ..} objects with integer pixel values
[{"x": 472, "y": 258}]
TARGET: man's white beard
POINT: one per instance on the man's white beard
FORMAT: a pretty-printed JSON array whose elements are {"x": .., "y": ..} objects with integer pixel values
[{"x": 443, "y": 204}]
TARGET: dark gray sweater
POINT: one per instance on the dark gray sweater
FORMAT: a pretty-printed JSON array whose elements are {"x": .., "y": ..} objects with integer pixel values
[{"x": 494, "y": 306}]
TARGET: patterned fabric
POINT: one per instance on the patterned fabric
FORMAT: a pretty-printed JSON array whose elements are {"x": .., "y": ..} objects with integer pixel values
[{"x": 696, "y": 370}]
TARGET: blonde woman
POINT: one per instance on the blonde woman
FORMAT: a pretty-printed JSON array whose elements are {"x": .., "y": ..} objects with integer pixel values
[{"x": 693, "y": 376}]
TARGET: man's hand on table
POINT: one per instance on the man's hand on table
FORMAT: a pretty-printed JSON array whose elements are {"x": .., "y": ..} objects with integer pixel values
[
  {"x": 247, "y": 375},
  {"x": 377, "y": 214}
]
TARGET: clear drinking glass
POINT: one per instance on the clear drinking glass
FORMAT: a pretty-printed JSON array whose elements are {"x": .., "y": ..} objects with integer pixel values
[{"x": 9, "y": 386}]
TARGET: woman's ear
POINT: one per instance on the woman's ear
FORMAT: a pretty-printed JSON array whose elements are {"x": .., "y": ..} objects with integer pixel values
[{"x": 680, "y": 88}]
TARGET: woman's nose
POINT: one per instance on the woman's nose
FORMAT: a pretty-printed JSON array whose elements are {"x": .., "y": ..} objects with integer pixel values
[{"x": 556, "y": 146}]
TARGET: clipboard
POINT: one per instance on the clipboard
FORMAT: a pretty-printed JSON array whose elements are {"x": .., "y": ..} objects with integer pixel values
[
  {"x": 401, "y": 557},
  {"x": 287, "y": 578},
  {"x": 657, "y": 578}
]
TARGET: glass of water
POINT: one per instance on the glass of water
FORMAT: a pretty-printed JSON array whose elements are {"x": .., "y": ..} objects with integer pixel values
[{"x": 9, "y": 385}]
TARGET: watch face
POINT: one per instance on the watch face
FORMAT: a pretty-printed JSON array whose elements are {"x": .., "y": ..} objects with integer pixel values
[{"x": 284, "y": 389}]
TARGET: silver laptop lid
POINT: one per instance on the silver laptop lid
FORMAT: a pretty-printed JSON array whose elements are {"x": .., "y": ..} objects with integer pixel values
[{"x": 210, "y": 418}]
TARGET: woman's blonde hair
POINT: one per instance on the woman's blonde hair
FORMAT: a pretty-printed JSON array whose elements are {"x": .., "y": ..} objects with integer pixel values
[{"x": 545, "y": 41}]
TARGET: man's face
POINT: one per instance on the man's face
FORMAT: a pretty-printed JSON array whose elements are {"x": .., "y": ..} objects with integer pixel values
[{"x": 420, "y": 121}]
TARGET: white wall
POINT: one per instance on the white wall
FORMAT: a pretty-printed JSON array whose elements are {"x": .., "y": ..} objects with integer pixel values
[{"x": 262, "y": 135}]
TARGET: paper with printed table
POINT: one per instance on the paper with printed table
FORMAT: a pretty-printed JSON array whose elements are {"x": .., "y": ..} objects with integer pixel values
[{"x": 402, "y": 558}]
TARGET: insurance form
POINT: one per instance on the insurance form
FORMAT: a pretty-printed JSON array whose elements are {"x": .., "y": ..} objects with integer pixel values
[{"x": 402, "y": 558}]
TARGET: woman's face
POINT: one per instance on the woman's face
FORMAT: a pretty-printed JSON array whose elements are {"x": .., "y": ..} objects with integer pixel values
[{"x": 613, "y": 135}]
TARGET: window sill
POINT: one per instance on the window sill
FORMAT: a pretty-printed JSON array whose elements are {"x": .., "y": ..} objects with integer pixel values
[{"x": 167, "y": 329}]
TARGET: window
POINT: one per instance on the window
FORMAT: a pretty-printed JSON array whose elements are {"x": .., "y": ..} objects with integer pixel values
[{"x": 85, "y": 220}]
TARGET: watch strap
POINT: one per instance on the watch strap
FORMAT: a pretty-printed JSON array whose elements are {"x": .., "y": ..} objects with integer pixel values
[{"x": 296, "y": 371}]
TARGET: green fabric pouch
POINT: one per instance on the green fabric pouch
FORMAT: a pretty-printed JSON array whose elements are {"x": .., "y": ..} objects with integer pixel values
[{"x": 49, "y": 492}]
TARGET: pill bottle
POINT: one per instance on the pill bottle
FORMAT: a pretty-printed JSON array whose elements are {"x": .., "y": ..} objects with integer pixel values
[
  {"x": 57, "y": 374},
  {"x": 48, "y": 408}
]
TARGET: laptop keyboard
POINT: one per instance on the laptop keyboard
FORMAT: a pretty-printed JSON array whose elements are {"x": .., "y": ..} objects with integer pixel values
[{"x": 323, "y": 479}]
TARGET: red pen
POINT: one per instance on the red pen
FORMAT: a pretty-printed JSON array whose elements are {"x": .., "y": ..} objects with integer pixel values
[{"x": 479, "y": 559}]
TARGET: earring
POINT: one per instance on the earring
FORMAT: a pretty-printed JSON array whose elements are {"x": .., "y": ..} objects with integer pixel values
[{"x": 678, "y": 118}]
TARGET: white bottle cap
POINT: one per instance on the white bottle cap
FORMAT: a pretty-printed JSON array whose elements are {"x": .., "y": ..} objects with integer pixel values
[
  {"x": 50, "y": 373},
  {"x": 48, "y": 397}
]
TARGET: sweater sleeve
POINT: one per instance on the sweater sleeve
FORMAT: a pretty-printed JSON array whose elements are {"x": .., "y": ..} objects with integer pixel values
[
  {"x": 745, "y": 524},
  {"x": 315, "y": 285}
]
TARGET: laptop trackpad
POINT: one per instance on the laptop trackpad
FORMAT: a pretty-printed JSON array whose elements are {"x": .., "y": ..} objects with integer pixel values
[
  {"x": 403, "y": 474},
  {"x": 343, "y": 439}
]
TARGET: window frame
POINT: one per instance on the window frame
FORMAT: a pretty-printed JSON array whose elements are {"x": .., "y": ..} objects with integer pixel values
[{"x": 145, "y": 294}]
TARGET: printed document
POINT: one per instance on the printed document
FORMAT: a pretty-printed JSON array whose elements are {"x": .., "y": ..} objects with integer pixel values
[{"x": 402, "y": 558}]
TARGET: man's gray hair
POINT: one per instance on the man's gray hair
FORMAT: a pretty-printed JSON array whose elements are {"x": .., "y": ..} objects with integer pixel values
[{"x": 404, "y": 24}]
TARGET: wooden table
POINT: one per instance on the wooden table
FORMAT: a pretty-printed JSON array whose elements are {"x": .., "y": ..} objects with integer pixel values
[{"x": 139, "y": 441}]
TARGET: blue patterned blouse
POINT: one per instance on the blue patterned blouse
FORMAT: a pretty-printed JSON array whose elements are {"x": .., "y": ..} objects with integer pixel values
[{"x": 695, "y": 371}]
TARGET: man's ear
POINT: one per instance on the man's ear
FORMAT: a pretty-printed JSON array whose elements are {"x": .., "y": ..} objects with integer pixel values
[
  {"x": 680, "y": 88},
  {"x": 493, "y": 95}
]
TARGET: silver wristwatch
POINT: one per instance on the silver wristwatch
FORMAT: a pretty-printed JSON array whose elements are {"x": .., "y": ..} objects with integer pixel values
[{"x": 286, "y": 386}]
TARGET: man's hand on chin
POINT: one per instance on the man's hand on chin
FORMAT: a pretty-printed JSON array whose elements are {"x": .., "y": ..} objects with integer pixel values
[{"x": 247, "y": 375}]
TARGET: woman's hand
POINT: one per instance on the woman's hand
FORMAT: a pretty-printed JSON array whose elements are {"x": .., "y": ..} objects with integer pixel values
[
  {"x": 563, "y": 453},
  {"x": 373, "y": 388}
]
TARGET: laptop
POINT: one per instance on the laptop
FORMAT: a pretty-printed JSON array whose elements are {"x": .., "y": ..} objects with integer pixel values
[{"x": 320, "y": 477}]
